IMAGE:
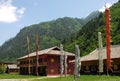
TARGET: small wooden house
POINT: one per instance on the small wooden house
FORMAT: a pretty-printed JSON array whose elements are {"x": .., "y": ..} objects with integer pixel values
[
  {"x": 90, "y": 62},
  {"x": 11, "y": 67},
  {"x": 48, "y": 62}
]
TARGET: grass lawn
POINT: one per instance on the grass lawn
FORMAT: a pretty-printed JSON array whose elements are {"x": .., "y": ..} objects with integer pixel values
[
  {"x": 16, "y": 76},
  {"x": 83, "y": 78},
  {"x": 68, "y": 78}
]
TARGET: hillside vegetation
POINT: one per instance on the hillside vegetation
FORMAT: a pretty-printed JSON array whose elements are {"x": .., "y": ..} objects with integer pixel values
[
  {"x": 68, "y": 31},
  {"x": 87, "y": 38},
  {"x": 50, "y": 33}
]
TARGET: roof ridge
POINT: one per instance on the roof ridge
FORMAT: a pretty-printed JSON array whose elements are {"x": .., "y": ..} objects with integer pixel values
[{"x": 52, "y": 48}]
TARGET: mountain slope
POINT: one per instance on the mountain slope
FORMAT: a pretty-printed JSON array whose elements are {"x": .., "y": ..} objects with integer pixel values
[
  {"x": 50, "y": 33},
  {"x": 87, "y": 38},
  {"x": 91, "y": 16}
]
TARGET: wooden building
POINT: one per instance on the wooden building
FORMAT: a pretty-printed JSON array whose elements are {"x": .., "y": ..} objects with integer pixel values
[
  {"x": 90, "y": 62},
  {"x": 11, "y": 67},
  {"x": 48, "y": 62}
]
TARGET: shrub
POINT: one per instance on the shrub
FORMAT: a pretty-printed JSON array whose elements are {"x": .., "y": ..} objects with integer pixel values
[{"x": 2, "y": 69}]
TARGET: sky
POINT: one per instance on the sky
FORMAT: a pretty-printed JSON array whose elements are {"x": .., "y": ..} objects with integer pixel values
[{"x": 17, "y": 14}]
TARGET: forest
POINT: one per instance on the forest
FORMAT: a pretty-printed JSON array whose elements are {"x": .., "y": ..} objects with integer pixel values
[{"x": 87, "y": 38}]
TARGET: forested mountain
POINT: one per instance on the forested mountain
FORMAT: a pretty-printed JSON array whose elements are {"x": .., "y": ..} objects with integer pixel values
[
  {"x": 87, "y": 38},
  {"x": 68, "y": 31},
  {"x": 50, "y": 33},
  {"x": 91, "y": 16}
]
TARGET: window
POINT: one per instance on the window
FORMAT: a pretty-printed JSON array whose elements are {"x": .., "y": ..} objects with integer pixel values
[{"x": 40, "y": 59}]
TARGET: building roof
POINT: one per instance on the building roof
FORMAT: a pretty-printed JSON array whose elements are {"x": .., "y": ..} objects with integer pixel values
[
  {"x": 12, "y": 66},
  {"x": 50, "y": 51},
  {"x": 115, "y": 53}
]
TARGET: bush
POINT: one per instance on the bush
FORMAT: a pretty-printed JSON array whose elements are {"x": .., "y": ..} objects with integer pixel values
[{"x": 2, "y": 69}]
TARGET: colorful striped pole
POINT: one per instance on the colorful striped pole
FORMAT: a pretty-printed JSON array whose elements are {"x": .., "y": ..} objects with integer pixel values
[{"x": 108, "y": 50}]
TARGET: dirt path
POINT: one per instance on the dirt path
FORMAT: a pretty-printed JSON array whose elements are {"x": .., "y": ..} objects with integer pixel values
[
  {"x": 13, "y": 80},
  {"x": 21, "y": 79},
  {"x": 26, "y": 79}
]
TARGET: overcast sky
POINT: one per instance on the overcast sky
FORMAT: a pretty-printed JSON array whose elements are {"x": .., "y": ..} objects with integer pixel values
[{"x": 16, "y": 14}]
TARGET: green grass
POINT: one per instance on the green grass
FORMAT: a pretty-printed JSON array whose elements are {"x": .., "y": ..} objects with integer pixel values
[
  {"x": 68, "y": 78},
  {"x": 16, "y": 76},
  {"x": 83, "y": 78}
]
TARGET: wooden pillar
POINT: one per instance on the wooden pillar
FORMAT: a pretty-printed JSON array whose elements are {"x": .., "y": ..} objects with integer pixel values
[
  {"x": 28, "y": 55},
  {"x": 36, "y": 55},
  {"x": 108, "y": 50}
]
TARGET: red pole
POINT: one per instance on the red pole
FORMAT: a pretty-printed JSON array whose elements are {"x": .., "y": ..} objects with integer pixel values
[
  {"x": 28, "y": 55},
  {"x": 36, "y": 55},
  {"x": 108, "y": 50}
]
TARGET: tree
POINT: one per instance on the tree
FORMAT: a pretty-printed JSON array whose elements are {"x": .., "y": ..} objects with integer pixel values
[{"x": 2, "y": 69}]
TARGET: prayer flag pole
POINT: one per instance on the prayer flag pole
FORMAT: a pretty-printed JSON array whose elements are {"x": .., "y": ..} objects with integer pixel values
[
  {"x": 108, "y": 50},
  {"x": 100, "y": 53},
  {"x": 28, "y": 49},
  {"x": 77, "y": 62},
  {"x": 61, "y": 60},
  {"x": 36, "y": 55}
]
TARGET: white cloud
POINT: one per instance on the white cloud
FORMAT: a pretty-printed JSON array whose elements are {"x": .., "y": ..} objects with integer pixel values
[
  {"x": 103, "y": 8},
  {"x": 21, "y": 11},
  {"x": 8, "y": 12}
]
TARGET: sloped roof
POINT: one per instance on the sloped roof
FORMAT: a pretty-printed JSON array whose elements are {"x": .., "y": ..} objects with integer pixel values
[
  {"x": 53, "y": 50},
  {"x": 115, "y": 53}
]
